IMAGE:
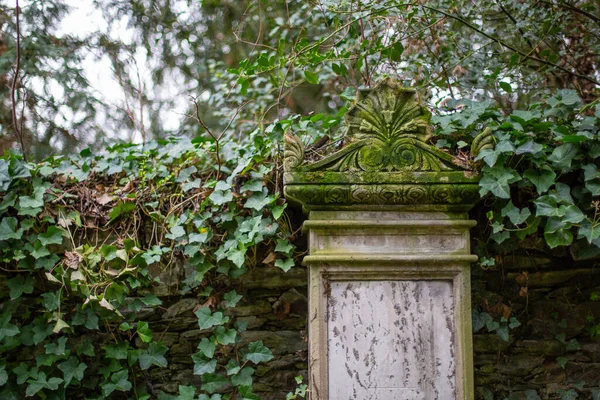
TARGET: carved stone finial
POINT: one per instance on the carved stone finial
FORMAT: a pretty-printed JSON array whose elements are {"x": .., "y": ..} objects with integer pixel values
[
  {"x": 387, "y": 161},
  {"x": 293, "y": 152},
  {"x": 388, "y": 130},
  {"x": 483, "y": 141}
]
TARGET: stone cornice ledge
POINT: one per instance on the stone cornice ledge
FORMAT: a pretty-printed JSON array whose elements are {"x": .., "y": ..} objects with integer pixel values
[
  {"x": 395, "y": 259},
  {"x": 388, "y": 162}
]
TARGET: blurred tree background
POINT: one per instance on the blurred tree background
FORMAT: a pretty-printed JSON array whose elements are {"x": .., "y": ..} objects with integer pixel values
[{"x": 260, "y": 60}]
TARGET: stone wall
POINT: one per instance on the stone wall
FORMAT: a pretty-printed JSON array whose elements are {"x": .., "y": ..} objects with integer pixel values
[
  {"x": 275, "y": 308},
  {"x": 548, "y": 292},
  {"x": 550, "y": 295}
]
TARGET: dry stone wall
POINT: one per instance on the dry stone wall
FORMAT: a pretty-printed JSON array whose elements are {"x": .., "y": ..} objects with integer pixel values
[{"x": 550, "y": 294}]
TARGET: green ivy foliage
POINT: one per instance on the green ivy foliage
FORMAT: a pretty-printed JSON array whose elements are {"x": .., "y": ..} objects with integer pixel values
[
  {"x": 83, "y": 242},
  {"x": 542, "y": 175}
]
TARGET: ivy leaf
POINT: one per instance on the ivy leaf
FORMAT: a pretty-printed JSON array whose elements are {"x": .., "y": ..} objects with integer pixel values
[
  {"x": 5, "y": 178},
  {"x": 72, "y": 368},
  {"x": 118, "y": 381},
  {"x": 532, "y": 395},
  {"x": 285, "y": 265},
  {"x": 207, "y": 320},
  {"x": 546, "y": 206},
  {"x": 515, "y": 215},
  {"x": 570, "y": 394},
  {"x": 52, "y": 236},
  {"x": 257, "y": 353},
  {"x": 220, "y": 197},
  {"x": 232, "y": 367},
  {"x": 213, "y": 382},
  {"x": 542, "y": 179},
  {"x": 502, "y": 332},
  {"x": 154, "y": 355},
  {"x": 589, "y": 230},
  {"x": 144, "y": 332},
  {"x": 258, "y": 201},
  {"x": 19, "y": 285},
  {"x": 284, "y": 246},
  {"x": 117, "y": 351},
  {"x": 573, "y": 214},
  {"x": 225, "y": 336},
  {"x": 6, "y": 328},
  {"x": 186, "y": 392},
  {"x": 497, "y": 180},
  {"x": 41, "y": 382},
  {"x": 8, "y": 229},
  {"x": 243, "y": 378},
  {"x": 563, "y": 155},
  {"x": 231, "y": 299},
  {"x": 203, "y": 365},
  {"x": 3, "y": 376},
  {"x": 557, "y": 237},
  {"x": 207, "y": 347}
]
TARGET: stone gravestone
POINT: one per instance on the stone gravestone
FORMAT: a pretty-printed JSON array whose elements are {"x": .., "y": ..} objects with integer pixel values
[{"x": 389, "y": 312}]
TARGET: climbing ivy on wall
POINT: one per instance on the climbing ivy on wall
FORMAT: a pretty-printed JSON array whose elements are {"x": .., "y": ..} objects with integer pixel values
[
  {"x": 542, "y": 176},
  {"x": 84, "y": 240}
]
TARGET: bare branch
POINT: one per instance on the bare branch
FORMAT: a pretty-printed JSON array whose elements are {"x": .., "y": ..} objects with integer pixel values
[{"x": 13, "y": 90}]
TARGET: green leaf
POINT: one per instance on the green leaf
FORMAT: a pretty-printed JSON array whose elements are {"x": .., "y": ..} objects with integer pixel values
[
  {"x": 220, "y": 197},
  {"x": 546, "y": 206},
  {"x": 231, "y": 299},
  {"x": 3, "y": 375},
  {"x": 19, "y": 285},
  {"x": 52, "y": 236},
  {"x": 559, "y": 237},
  {"x": 186, "y": 392},
  {"x": 542, "y": 179},
  {"x": 213, "y": 382},
  {"x": 311, "y": 77},
  {"x": 529, "y": 147},
  {"x": 284, "y": 246},
  {"x": 40, "y": 382},
  {"x": 144, "y": 332},
  {"x": 258, "y": 201},
  {"x": 285, "y": 265},
  {"x": 117, "y": 351},
  {"x": 6, "y": 328},
  {"x": 243, "y": 378},
  {"x": 207, "y": 320},
  {"x": 497, "y": 180},
  {"x": 207, "y": 347},
  {"x": 118, "y": 381},
  {"x": 8, "y": 229},
  {"x": 572, "y": 214},
  {"x": 257, "y": 353},
  {"x": 506, "y": 87},
  {"x": 72, "y": 369},
  {"x": 154, "y": 355},
  {"x": 225, "y": 336},
  {"x": 515, "y": 215},
  {"x": 570, "y": 394},
  {"x": 563, "y": 155},
  {"x": 203, "y": 365}
]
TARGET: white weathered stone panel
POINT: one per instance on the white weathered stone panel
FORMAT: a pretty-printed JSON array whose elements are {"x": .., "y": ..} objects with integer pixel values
[{"x": 391, "y": 340}]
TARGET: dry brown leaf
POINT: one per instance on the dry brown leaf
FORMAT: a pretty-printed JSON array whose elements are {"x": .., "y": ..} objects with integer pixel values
[
  {"x": 73, "y": 259},
  {"x": 104, "y": 199},
  {"x": 269, "y": 259}
]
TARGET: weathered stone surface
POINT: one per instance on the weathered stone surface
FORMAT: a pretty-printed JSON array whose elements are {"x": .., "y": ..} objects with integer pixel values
[
  {"x": 274, "y": 278},
  {"x": 394, "y": 339},
  {"x": 282, "y": 342}
]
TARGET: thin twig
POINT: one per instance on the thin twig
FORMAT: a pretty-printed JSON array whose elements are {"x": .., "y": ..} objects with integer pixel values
[
  {"x": 210, "y": 132},
  {"x": 13, "y": 89}
]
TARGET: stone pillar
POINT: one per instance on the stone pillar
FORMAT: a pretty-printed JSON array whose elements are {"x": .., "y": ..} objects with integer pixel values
[{"x": 389, "y": 287}]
